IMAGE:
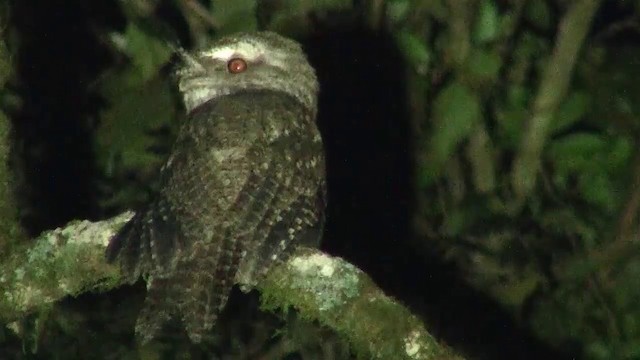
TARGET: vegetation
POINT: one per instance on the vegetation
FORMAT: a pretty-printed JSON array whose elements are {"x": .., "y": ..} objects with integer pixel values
[{"x": 519, "y": 122}]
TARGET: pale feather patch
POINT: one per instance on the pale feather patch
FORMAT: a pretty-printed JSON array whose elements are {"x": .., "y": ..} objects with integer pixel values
[
  {"x": 247, "y": 51},
  {"x": 228, "y": 154},
  {"x": 195, "y": 96}
]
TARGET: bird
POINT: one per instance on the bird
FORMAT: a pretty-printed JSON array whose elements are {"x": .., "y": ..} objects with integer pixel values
[{"x": 244, "y": 183}]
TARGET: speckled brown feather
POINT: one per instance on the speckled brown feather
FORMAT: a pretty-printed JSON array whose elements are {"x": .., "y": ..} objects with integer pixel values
[{"x": 243, "y": 184}]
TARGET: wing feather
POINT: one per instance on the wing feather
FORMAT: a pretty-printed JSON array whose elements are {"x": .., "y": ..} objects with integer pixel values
[{"x": 228, "y": 189}]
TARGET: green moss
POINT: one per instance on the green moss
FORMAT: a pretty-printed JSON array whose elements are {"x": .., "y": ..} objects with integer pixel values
[
  {"x": 62, "y": 262},
  {"x": 328, "y": 282},
  {"x": 341, "y": 297}
]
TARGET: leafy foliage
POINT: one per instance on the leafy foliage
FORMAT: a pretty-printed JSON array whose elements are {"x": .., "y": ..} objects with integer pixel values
[
  {"x": 561, "y": 255},
  {"x": 140, "y": 104},
  {"x": 550, "y": 258}
]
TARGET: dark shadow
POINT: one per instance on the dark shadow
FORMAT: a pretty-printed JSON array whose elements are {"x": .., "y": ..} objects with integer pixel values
[
  {"x": 59, "y": 56},
  {"x": 364, "y": 121}
]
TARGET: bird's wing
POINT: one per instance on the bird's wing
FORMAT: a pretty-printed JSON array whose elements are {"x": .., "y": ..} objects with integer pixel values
[
  {"x": 272, "y": 186},
  {"x": 290, "y": 222},
  {"x": 218, "y": 192},
  {"x": 208, "y": 168}
]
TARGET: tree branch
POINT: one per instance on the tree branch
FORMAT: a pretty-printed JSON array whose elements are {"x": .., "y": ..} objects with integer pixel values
[
  {"x": 69, "y": 261},
  {"x": 555, "y": 81},
  {"x": 64, "y": 262}
]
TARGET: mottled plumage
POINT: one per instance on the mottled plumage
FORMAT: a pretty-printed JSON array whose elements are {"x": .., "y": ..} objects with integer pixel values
[{"x": 243, "y": 184}]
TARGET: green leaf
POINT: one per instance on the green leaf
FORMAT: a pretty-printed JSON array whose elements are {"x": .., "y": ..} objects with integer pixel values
[
  {"x": 455, "y": 222},
  {"x": 619, "y": 155},
  {"x": 487, "y": 23},
  {"x": 234, "y": 16},
  {"x": 519, "y": 96},
  {"x": 415, "y": 51},
  {"x": 296, "y": 17},
  {"x": 147, "y": 52},
  {"x": 123, "y": 139},
  {"x": 456, "y": 111},
  {"x": 595, "y": 160},
  {"x": 480, "y": 155},
  {"x": 598, "y": 189},
  {"x": 484, "y": 65},
  {"x": 510, "y": 122},
  {"x": 397, "y": 11},
  {"x": 571, "y": 111},
  {"x": 576, "y": 152},
  {"x": 514, "y": 292},
  {"x": 599, "y": 350},
  {"x": 539, "y": 13}
]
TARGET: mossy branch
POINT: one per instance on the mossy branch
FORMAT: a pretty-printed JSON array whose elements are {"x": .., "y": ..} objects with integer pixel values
[
  {"x": 70, "y": 260},
  {"x": 64, "y": 262}
]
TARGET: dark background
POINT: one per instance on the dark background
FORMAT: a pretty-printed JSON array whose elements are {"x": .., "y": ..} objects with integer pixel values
[{"x": 370, "y": 144}]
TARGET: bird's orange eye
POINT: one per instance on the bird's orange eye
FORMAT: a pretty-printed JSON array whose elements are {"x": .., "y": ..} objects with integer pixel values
[{"x": 236, "y": 65}]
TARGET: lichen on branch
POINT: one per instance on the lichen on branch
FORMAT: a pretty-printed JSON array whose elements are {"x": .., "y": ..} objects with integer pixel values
[{"x": 70, "y": 260}]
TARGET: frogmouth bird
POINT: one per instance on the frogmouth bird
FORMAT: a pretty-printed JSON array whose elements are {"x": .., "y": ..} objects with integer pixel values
[{"x": 243, "y": 185}]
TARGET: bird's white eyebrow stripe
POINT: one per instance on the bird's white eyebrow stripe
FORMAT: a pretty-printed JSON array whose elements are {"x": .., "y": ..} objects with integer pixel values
[{"x": 247, "y": 50}]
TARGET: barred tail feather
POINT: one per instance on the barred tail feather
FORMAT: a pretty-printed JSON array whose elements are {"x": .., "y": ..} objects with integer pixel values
[
  {"x": 212, "y": 289},
  {"x": 158, "y": 309},
  {"x": 128, "y": 248},
  {"x": 148, "y": 243}
]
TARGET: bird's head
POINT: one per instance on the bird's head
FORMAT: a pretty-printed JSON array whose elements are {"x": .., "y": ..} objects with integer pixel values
[{"x": 247, "y": 61}]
